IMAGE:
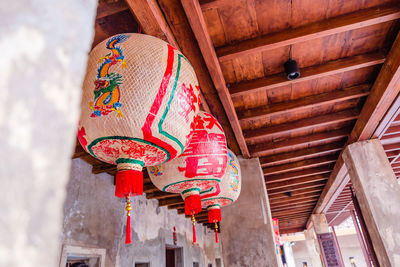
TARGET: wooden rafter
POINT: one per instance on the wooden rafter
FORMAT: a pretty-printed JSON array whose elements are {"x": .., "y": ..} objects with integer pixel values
[
  {"x": 293, "y": 188},
  {"x": 263, "y": 149},
  {"x": 280, "y": 130},
  {"x": 196, "y": 20},
  {"x": 305, "y": 103},
  {"x": 298, "y": 181},
  {"x": 309, "y": 73},
  {"x": 303, "y": 164},
  {"x": 306, "y": 152},
  {"x": 151, "y": 20},
  {"x": 319, "y": 29},
  {"x": 297, "y": 174}
]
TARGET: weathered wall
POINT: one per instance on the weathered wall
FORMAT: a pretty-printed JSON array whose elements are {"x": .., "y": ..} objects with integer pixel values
[
  {"x": 247, "y": 235},
  {"x": 44, "y": 46},
  {"x": 95, "y": 218}
]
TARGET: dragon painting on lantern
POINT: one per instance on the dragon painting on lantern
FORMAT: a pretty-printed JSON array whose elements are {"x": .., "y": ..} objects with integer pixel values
[{"x": 106, "y": 92}]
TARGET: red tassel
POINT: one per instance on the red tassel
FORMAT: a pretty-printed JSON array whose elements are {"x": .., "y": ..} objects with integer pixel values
[
  {"x": 128, "y": 182},
  {"x": 194, "y": 229},
  {"x": 192, "y": 204},
  {"x": 216, "y": 233},
  {"x": 128, "y": 235},
  {"x": 214, "y": 215}
]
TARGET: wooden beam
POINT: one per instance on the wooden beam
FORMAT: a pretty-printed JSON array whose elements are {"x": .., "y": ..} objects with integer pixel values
[
  {"x": 302, "y": 215},
  {"x": 292, "y": 230},
  {"x": 294, "y": 199},
  {"x": 309, "y": 73},
  {"x": 151, "y": 19},
  {"x": 289, "y": 203},
  {"x": 149, "y": 188},
  {"x": 172, "y": 200},
  {"x": 275, "y": 147},
  {"x": 276, "y": 131},
  {"x": 199, "y": 27},
  {"x": 298, "y": 181},
  {"x": 176, "y": 18},
  {"x": 297, "y": 174},
  {"x": 297, "y": 192},
  {"x": 306, "y": 152},
  {"x": 105, "y": 9},
  {"x": 306, "y": 103},
  {"x": 300, "y": 165},
  {"x": 348, "y": 22},
  {"x": 293, "y": 188},
  {"x": 383, "y": 92},
  {"x": 161, "y": 195},
  {"x": 297, "y": 212},
  {"x": 291, "y": 210}
]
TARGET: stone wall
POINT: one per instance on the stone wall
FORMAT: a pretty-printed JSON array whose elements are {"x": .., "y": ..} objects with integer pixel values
[{"x": 95, "y": 218}]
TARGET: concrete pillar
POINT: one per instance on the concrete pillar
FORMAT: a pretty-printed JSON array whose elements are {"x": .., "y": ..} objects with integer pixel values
[
  {"x": 378, "y": 194},
  {"x": 287, "y": 247},
  {"x": 44, "y": 46},
  {"x": 313, "y": 247},
  {"x": 246, "y": 227},
  {"x": 320, "y": 223}
]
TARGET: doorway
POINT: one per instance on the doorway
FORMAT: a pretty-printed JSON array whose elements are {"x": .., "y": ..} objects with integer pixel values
[{"x": 173, "y": 256}]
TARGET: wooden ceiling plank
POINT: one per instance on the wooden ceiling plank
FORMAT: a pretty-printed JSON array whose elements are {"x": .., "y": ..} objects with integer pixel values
[
  {"x": 297, "y": 174},
  {"x": 348, "y": 22},
  {"x": 383, "y": 93},
  {"x": 290, "y": 188},
  {"x": 300, "y": 165},
  {"x": 171, "y": 201},
  {"x": 308, "y": 73},
  {"x": 306, "y": 103},
  {"x": 286, "y": 218},
  {"x": 309, "y": 152},
  {"x": 297, "y": 192},
  {"x": 298, "y": 181},
  {"x": 105, "y": 9},
  {"x": 291, "y": 210},
  {"x": 194, "y": 14},
  {"x": 161, "y": 195},
  {"x": 293, "y": 199},
  {"x": 262, "y": 149},
  {"x": 292, "y": 230},
  {"x": 290, "y": 203},
  {"x": 276, "y": 131}
]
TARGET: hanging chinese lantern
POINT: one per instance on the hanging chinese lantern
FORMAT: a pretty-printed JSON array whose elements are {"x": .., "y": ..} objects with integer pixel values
[
  {"x": 224, "y": 193},
  {"x": 199, "y": 168},
  {"x": 140, "y": 97}
]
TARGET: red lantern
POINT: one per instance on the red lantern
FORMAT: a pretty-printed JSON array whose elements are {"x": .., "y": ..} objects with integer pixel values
[
  {"x": 140, "y": 97},
  {"x": 224, "y": 193},
  {"x": 199, "y": 168}
]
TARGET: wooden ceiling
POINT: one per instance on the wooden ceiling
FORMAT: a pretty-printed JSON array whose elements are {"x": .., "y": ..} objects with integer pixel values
[{"x": 296, "y": 128}]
